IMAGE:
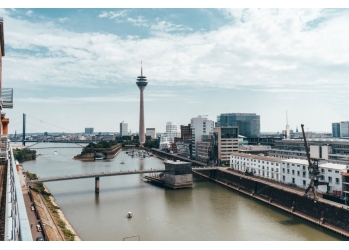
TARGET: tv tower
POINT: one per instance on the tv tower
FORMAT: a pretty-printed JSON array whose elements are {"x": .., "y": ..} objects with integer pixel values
[{"x": 141, "y": 83}]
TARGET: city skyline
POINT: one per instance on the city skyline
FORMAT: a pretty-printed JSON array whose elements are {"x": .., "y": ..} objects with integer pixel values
[{"x": 78, "y": 62}]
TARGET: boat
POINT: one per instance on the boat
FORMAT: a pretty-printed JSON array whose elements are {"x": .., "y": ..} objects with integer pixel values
[
  {"x": 55, "y": 153},
  {"x": 129, "y": 215},
  {"x": 99, "y": 158},
  {"x": 122, "y": 162}
]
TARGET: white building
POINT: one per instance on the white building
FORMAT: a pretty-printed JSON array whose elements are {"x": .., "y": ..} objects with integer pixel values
[
  {"x": 171, "y": 131},
  {"x": 150, "y": 132},
  {"x": 263, "y": 166},
  {"x": 163, "y": 142},
  {"x": 200, "y": 126},
  {"x": 295, "y": 171},
  {"x": 123, "y": 129}
]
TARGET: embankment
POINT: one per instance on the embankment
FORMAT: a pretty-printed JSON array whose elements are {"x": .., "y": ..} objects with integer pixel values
[{"x": 327, "y": 214}]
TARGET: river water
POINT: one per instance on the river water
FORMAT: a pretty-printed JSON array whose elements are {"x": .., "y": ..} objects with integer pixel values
[{"x": 208, "y": 211}]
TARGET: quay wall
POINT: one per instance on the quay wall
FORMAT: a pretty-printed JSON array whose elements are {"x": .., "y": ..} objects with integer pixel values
[{"x": 327, "y": 214}]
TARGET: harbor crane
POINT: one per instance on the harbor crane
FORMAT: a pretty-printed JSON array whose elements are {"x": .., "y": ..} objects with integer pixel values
[{"x": 313, "y": 169}]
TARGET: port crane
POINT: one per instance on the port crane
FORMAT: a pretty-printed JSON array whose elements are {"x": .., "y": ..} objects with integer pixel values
[{"x": 313, "y": 169}]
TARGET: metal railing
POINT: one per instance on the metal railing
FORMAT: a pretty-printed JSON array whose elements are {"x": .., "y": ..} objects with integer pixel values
[
  {"x": 17, "y": 226},
  {"x": 6, "y": 97}
]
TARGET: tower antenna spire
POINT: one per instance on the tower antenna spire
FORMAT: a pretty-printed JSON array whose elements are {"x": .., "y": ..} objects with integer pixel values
[
  {"x": 286, "y": 118},
  {"x": 141, "y": 69}
]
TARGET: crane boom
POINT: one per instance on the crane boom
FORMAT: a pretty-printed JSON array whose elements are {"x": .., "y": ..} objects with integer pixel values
[{"x": 306, "y": 146}]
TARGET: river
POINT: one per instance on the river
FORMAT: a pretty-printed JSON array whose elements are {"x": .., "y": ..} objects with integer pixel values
[{"x": 208, "y": 211}]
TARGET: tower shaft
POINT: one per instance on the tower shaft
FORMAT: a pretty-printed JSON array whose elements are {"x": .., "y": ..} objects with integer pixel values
[{"x": 141, "y": 117}]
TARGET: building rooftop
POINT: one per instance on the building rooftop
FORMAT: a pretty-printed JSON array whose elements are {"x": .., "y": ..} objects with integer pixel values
[{"x": 258, "y": 157}]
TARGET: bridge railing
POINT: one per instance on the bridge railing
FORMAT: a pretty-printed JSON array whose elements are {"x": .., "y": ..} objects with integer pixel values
[{"x": 17, "y": 226}]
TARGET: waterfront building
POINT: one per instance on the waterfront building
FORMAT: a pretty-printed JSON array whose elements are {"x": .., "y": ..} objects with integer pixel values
[
  {"x": 291, "y": 171},
  {"x": 344, "y": 129},
  {"x": 263, "y": 166},
  {"x": 171, "y": 131},
  {"x": 248, "y": 123},
  {"x": 225, "y": 143},
  {"x": 336, "y": 129},
  {"x": 150, "y": 132},
  {"x": 123, "y": 129},
  {"x": 141, "y": 83},
  {"x": 178, "y": 174},
  {"x": 199, "y": 126},
  {"x": 205, "y": 149},
  {"x": 164, "y": 144},
  {"x": 88, "y": 131}
]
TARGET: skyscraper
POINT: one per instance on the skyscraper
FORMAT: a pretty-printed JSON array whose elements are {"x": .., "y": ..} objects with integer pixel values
[
  {"x": 248, "y": 124},
  {"x": 123, "y": 129},
  {"x": 141, "y": 83},
  {"x": 336, "y": 130},
  {"x": 88, "y": 131}
]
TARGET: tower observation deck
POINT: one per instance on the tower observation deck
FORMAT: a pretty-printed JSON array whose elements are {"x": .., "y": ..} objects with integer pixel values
[{"x": 141, "y": 83}]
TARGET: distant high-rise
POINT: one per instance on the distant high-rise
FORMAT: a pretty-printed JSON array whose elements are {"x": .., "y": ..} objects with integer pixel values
[
  {"x": 141, "y": 83},
  {"x": 336, "y": 131},
  {"x": 344, "y": 129},
  {"x": 199, "y": 126},
  {"x": 123, "y": 129},
  {"x": 150, "y": 132},
  {"x": 248, "y": 123},
  {"x": 88, "y": 131}
]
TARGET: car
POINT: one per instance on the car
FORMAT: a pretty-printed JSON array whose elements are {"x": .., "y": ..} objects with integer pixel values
[
  {"x": 38, "y": 228},
  {"x": 39, "y": 238},
  {"x": 32, "y": 208}
]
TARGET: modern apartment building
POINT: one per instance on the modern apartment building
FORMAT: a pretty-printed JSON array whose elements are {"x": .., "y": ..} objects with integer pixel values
[
  {"x": 248, "y": 123},
  {"x": 344, "y": 129},
  {"x": 200, "y": 126},
  {"x": 171, "y": 131},
  {"x": 186, "y": 132}
]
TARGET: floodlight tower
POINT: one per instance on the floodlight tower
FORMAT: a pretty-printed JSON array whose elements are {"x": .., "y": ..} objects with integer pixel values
[{"x": 141, "y": 83}]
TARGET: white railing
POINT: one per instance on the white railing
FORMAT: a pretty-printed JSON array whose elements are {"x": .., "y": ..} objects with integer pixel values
[{"x": 17, "y": 226}]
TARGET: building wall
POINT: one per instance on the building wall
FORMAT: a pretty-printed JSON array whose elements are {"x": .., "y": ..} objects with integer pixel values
[
  {"x": 123, "y": 129},
  {"x": 199, "y": 126},
  {"x": 227, "y": 143},
  {"x": 344, "y": 129},
  {"x": 336, "y": 129},
  {"x": 151, "y": 132}
]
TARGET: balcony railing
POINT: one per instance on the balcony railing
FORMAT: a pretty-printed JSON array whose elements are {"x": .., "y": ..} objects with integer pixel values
[{"x": 6, "y": 97}]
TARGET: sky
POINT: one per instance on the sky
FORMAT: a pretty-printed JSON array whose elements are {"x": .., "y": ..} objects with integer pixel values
[{"x": 72, "y": 68}]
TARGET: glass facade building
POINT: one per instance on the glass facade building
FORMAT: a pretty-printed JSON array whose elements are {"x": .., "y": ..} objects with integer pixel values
[
  {"x": 248, "y": 123},
  {"x": 336, "y": 132}
]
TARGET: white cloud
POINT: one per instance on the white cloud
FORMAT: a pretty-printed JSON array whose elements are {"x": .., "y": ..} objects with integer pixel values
[
  {"x": 29, "y": 13},
  {"x": 113, "y": 14},
  {"x": 139, "y": 21},
  {"x": 166, "y": 26},
  {"x": 63, "y": 19}
]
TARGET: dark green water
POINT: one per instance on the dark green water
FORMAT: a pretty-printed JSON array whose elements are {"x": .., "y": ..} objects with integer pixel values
[{"x": 208, "y": 211}]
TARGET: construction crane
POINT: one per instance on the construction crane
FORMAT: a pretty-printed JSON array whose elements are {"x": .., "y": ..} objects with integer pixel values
[{"x": 313, "y": 169}]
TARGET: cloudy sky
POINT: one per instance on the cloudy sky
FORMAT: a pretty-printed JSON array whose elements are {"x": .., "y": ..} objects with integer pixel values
[{"x": 77, "y": 68}]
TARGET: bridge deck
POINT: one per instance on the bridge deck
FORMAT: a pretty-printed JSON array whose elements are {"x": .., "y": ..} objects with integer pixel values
[{"x": 102, "y": 174}]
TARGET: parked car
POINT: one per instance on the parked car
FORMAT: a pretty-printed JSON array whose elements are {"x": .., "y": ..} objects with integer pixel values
[
  {"x": 32, "y": 208},
  {"x": 39, "y": 238},
  {"x": 38, "y": 228}
]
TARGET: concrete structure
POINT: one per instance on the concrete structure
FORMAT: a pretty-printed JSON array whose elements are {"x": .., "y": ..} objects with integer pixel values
[
  {"x": 88, "y": 131},
  {"x": 150, "y": 132},
  {"x": 141, "y": 83},
  {"x": 178, "y": 174},
  {"x": 200, "y": 126},
  {"x": 344, "y": 129},
  {"x": 263, "y": 166},
  {"x": 225, "y": 143},
  {"x": 248, "y": 123},
  {"x": 123, "y": 129},
  {"x": 336, "y": 129}
]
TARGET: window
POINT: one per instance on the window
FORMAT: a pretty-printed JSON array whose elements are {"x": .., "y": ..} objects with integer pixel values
[
  {"x": 272, "y": 169},
  {"x": 337, "y": 172},
  {"x": 304, "y": 174},
  {"x": 283, "y": 178},
  {"x": 298, "y": 173},
  {"x": 272, "y": 163},
  {"x": 329, "y": 170},
  {"x": 304, "y": 183},
  {"x": 322, "y": 170},
  {"x": 267, "y": 168},
  {"x": 263, "y": 167},
  {"x": 293, "y": 180},
  {"x": 277, "y": 176},
  {"x": 330, "y": 179},
  {"x": 283, "y": 170},
  {"x": 337, "y": 180},
  {"x": 292, "y": 172},
  {"x": 277, "y": 164},
  {"x": 292, "y": 164},
  {"x": 288, "y": 171},
  {"x": 303, "y": 167}
]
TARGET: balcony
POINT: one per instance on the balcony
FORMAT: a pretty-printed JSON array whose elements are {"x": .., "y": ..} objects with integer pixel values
[{"x": 6, "y": 98}]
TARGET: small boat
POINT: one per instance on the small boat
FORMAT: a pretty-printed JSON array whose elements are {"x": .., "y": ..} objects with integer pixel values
[
  {"x": 129, "y": 215},
  {"x": 99, "y": 158},
  {"x": 55, "y": 153},
  {"x": 122, "y": 162}
]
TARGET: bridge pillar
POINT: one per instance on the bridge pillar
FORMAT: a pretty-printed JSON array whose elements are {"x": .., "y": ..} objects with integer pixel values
[{"x": 97, "y": 185}]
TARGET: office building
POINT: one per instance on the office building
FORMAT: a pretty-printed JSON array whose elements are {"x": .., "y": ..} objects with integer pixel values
[
  {"x": 186, "y": 132},
  {"x": 150, "y": 132},
  {"x": 88, "y": 131},
  {"x": 248, "y": 123},
  {"x": 200, "y": 126},
  {"x": 344, "y": 129},
  {"x": 336, "y": 131},
  {"x": 141, "y": 83},
  {"x": 225, "y": 143},
  {"x": 123, "y": 129}
]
